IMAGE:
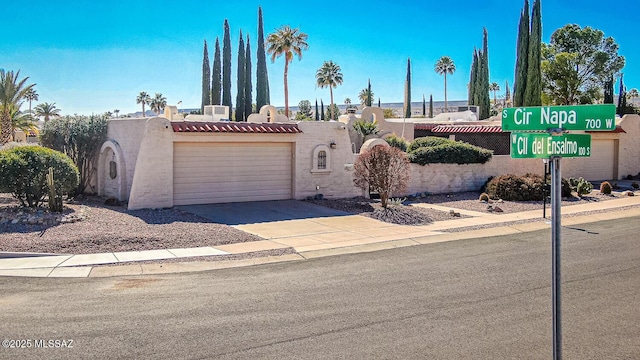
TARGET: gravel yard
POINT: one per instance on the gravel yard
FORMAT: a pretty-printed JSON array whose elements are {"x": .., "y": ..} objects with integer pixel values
[
  {"x": 89, "y": 226},
  {"x": 113, "y": 228}
]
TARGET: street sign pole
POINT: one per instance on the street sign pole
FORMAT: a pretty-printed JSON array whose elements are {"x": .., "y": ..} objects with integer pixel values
[{"x": 556, "y": 198}]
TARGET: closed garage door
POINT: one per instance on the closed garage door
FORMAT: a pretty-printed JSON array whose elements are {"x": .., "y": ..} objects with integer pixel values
[
  {"x": 206, "y": 173},
  {"x": 602, "y": 160}
]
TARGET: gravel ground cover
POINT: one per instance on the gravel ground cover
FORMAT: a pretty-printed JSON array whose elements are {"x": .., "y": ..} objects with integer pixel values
[
  {"x": 90, "y": 226},
  {"x": 104, "y": 228}
]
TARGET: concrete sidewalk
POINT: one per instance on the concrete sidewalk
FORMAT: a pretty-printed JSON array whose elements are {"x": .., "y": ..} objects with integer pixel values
[{"x": 310, "y": 237}]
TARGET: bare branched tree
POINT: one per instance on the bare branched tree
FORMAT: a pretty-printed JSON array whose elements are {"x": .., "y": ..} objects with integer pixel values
[{"x": 382, "y": 169}]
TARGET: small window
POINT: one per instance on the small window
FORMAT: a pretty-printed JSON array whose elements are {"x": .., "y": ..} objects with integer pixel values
[
  {"x": 322, "y": 160},
  {"x": 113, "y": 170}
]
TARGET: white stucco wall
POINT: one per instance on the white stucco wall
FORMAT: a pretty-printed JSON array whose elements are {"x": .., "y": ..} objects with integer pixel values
[
  {"x": 629, "y": 146},
  {"x": 152, "y": 184},
  {"x": 127, "y": 133},
  {"x": 146, "y": 147},
  {"x": 336, "y": 183}
]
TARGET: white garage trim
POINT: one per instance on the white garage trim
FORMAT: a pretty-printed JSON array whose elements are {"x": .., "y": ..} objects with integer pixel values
[{"x": 207, "y": 173}]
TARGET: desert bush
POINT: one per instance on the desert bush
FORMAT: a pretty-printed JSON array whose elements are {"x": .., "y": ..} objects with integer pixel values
[
  {"x": 80, "y": 137},
  {"x": 451, "y": 153},
  {"x": 605, "y": 188},
  {"x": 382, "y": 169},
  {"x": 635, "y": 185},
  {"x": 397, "y": 142},
  {"x": 529, "y": 187},
  {"x": 427, "y": 141},
  {"x": 24, "y": 172}
]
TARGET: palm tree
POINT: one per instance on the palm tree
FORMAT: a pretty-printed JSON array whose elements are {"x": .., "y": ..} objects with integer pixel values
[
  {"x": 31, "y": 95},
  {"x": 12, "y": 91},
  {"x": 347, "y": 102},
  {"x": 364, "y": 95},
  {"x": 21, "y": 121},
  {"x": 286, "y": 41},
  {"x": 144, "y": 99},
  {"x": 494, "y": 87},
  {"x": 445, "y": 66},
  {"x": 47, "y": 111},
  {"x": 116, "y": 111},
  {"x": 329, "y": 75},
  {"x": 158, "y": 103}
]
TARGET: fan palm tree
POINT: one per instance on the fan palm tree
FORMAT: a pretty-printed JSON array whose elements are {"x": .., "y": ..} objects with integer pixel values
[
  {"x": 364, "y": 95},
  {"x": 144, "y": 99},
  {"x": 47, "y": 111},
  {"x": 116, "y": 111},
  {"x": 21, "y": 121},
  {"x": 495, "y": 88},
  {"x": 286, "y": 41},
  {"x": 12, "y": 92},
  {"x": 158, "y": 103},
  {"x": 329, "y": 75},
  {"x": 445, "y": 66},
  {"x": 347, "y": 102},
  {"x": 31, "y": 95}
]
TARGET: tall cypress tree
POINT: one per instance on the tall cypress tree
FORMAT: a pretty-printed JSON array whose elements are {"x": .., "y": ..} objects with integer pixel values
[
  {"x": 622, "y": 98},
  {"x": 216, "y": 74},
  {"x": 407, "y": 91},
  {"x": 321, "y": 110},
  {"x": 206, "y": 74},
  {"x": 226, "y": 66},
  {"x": 317, "y": 111},
  {"x": 369, "y": 99},
  {"x": 473, "y": 79},
  {"x": 248, "y": 86},
  {"x": 485, "y": 100},
  {"x": 378, "y": 98},
  {"x": 424, "y": 106},
  {"x": 507, "y": 94},
  {"x": 262, "y": 78},
  {"x": 533, "y": 91},
  {"x": 431, "y": 105},
  {"x": 240, "y": 116},
  {"x": 522, "y": 57},
  {"x": 477, "y": 92},
  {"x": 608, "y": 91}
]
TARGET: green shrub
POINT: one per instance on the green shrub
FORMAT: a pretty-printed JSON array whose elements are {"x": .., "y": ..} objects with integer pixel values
[
  {"x": 635, "y": 185},
  {"x": 397, "y": 142},
  {"x": 529, "y": 187},
  {"x": 427, "y": 141},
  {"x": 605, "y": 188},
  {"x": 24, "y": 173},
  {"x": 365, "y": 128},
  {"x": 451, "y": 153}
]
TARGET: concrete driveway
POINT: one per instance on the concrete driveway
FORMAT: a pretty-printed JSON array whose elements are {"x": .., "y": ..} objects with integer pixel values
[{"x": 260, "y": 211}]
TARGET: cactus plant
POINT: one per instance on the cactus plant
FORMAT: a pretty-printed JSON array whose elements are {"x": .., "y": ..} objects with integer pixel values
[
  {"x": 55, "y": 201},
  {"x": 605, "y": 188}
]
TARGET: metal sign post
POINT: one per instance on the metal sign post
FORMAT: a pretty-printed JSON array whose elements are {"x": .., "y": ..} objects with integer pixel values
[{"x": 556, "y": 199}]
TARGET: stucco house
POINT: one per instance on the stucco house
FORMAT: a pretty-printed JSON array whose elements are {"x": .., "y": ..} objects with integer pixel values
[{"x": 165, "y": 161}]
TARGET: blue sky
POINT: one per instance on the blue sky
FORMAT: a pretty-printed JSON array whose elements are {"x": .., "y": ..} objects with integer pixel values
[{"x": 91, "y": 57}]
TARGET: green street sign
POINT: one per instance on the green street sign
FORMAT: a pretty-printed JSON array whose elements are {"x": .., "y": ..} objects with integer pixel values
[
  {"x": 599, "y": 117},
  {"x": 542, "y": 146}
]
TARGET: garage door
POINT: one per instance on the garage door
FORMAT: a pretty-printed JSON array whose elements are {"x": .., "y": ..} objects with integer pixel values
[
  {"x": 602, "y": 160},
  {"x": 206, "y": 173}
]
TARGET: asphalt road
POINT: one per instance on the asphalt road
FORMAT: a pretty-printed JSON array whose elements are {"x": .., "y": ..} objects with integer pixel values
[{"x": 477, "y": 299}]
